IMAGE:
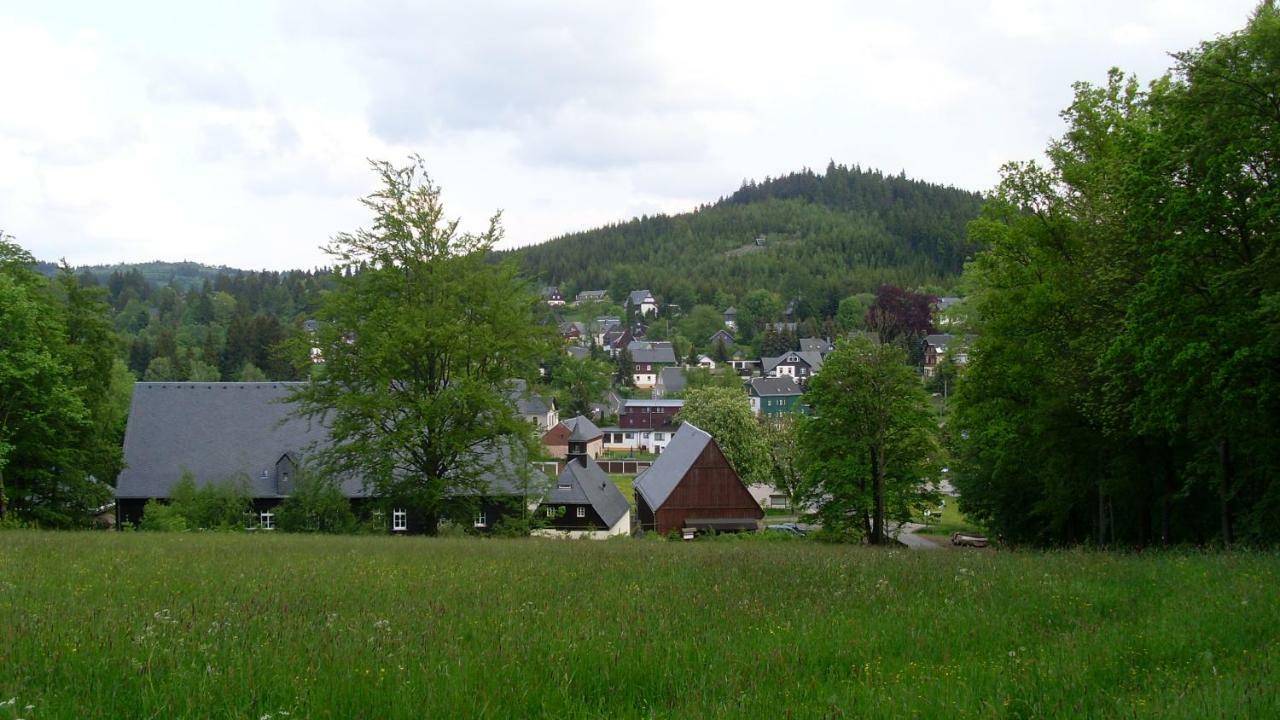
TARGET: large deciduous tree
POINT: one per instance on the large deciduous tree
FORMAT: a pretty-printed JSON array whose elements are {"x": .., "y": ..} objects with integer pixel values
[
  {"x": 725, "y": 414},
  {"x": 870, "y": 448},
  {"x": 60, "y": 413},
  {"x": 421, "y": 339},
  {"x": 1124, "y": 384}
]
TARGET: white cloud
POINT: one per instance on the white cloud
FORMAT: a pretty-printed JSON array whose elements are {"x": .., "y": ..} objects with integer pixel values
[{"x": 238, "y": 135}]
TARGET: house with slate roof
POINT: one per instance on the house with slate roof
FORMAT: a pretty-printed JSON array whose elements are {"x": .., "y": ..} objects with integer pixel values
[
  {"x": 671, "y": 381},
  {"x": 800, "y": 365},
  {"x": 643, "y": 302},
  {"x": 821, "y": 346},
  {"x": 772, "y": 397},
  {"x": 692, "y": 486},
  {"x": 938, "y": 346},
  {"x": 540, "y": 410},
  {"x": 222, "y": 432},
  {"x": 591, "y": 296},
  {"x": 551, "y": 296},
  {"x": 578, "y": 429},
  {"x": 731, "y": 318},
  {"x": 648, "y": 359},
  {"x": 584, "y": 503}
]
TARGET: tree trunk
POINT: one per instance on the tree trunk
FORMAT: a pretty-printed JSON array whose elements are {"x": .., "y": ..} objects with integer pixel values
[
  {"x": 877, "y": 492},
  {"x": 1166, "y": 499},
  {"x": 1225, "y": 479},
  {"x": 4, "y": 501}
]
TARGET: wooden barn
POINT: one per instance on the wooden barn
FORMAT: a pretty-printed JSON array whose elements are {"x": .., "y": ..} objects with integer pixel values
[{"x": 692, "y": 486}]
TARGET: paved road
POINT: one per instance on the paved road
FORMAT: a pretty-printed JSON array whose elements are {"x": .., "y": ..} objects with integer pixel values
[{"x": 907, "y": 536}]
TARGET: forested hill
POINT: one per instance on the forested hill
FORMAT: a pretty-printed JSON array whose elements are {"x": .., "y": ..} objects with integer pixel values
[
  {"x": 184, "y": 274},
  {"x": 825, "y": 237}
]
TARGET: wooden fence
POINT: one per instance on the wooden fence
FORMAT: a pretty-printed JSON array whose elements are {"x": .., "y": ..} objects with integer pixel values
[{"x": 612, "y": 467}]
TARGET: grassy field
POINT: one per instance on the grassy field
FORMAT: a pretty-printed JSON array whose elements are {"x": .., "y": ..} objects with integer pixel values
[
  {"x": 236, "y": 626},
  {"x": 952, "y": 521}
]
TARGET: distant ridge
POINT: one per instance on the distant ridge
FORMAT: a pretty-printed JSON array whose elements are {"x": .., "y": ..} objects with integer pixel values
[{"x": 821, "y": 237}]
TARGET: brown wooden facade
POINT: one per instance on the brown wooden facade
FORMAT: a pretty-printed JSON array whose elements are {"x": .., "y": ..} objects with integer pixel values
[{"x": 709, "y": 489}]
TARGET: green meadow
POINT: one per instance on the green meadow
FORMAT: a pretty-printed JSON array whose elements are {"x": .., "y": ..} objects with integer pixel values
[{"x": 135, "y": 625}]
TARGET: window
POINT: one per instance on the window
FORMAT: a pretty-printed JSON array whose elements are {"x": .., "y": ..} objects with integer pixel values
[
  {"x": 551, "y": 512},
  {"x": 267, "y": 520},
  {"x": 399, "y": 520},
  {"x": 659, "y": 436},
  {"x": 646, "y": 436},
  {"x": 481, "y": 519},
  {"x": 582, "y": 512}
]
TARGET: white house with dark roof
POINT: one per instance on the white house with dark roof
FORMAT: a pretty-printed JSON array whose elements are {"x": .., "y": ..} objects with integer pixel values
[
  {"x": 541, "y": 410},
  {"x": 648, "y": 359},
  {"x": 643, "y": 303},
  {"x": 800, "y": 365}
]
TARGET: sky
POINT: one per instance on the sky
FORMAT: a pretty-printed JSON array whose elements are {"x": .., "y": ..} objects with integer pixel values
[{"x": 239, "y": 133}]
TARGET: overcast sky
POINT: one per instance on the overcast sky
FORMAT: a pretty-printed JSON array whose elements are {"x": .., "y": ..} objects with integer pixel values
[{"x": 237, "y": 133}]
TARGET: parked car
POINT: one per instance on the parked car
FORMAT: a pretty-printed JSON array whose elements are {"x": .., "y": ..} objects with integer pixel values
[
  {"x": 788, "y": 528},
  {"x": 962, "y": 540}
]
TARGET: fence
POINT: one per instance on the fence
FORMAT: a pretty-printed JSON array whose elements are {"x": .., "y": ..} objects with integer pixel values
[{"x": 612, "y": 467}]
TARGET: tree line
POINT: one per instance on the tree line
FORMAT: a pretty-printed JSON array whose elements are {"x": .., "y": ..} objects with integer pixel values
[{"x": 1125, "y": 386}]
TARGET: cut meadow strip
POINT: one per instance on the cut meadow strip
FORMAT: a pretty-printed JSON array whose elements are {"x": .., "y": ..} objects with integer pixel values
[{"x": 213, "y": 625}]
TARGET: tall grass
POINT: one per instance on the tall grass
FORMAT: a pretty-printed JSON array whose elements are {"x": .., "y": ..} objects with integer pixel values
[{"x": 229, "y": 626}]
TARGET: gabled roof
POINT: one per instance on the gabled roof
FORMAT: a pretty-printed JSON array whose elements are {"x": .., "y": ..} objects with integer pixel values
[
  {"x": 770, "y": 387},
  {"x": 672, "y": 379},
  {"x": 812, "y": 359},
  {"x": 814, "y": 344},
  {"x": 662, "y": 477},
  {"x": 527, "y": 404},
  {"x": 638, "y": 297},
  {"x": 731, "y": 310},
  {"x": 722, "y": 333},
  {"x": 581, "y": 429},
  {"x": 578, "y": 352},
  {"x": 944, "y": 341},
  {"x": 215, "y": 430},
  {"x": 588, "y": 484},
  {"x": 651, "y": 352},
  {"x": 223, "y": 430}
]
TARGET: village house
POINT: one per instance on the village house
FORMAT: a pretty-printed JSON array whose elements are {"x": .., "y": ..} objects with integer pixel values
[
  {"x": 642, "y": 303},
  {"x": 573, "y": 331},
  {"x": 648, "y": 359},
  {"x": 575, "y": 430},
  {"x": 706, "y": 363},
  {"x": 537, "y": 409},
  {"x": 731, "y": 318},
  {"x": 798, "y": 365},
  {"x": 772, "y": 397},
  {"x": 822, "y": 346},
  {"x": 644, "y": 425},
  {"x": 671, "y": 381},
  {"x": 589, "y": 296},
  {"x": 245, "y": 432},
  {"x": 551, "y": 296},
  {"x": 692, "y": 488},
  {"x": 721, "y": 336},
  {"x": 746, "y": 367},
  {"x": 937, "y": 347},
  {"x": 584, "y": 502}
]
